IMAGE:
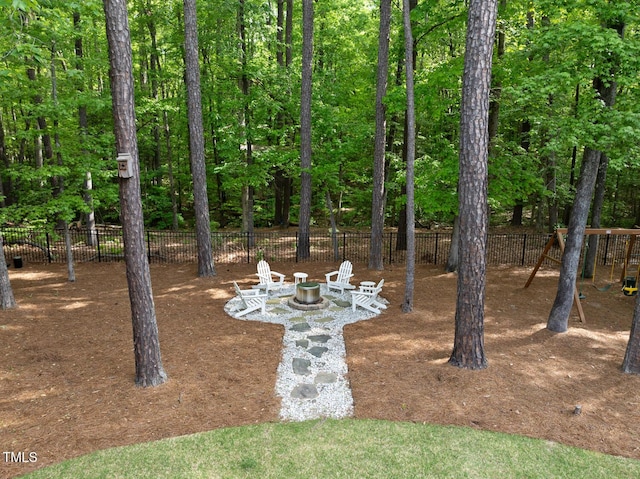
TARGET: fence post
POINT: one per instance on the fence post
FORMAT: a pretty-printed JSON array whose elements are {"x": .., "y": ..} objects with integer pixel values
[
  {"x": 390, "y": 246},
  {"x": 248, "y": 248},
  {"x": 98, "y": 245},
  {"x": 48, "y": 247},
  {"x": 344, "y": 245},
  {"x": 435, "y": 254},
  {"x": 524, "y": 248},
  {"x": 148, "y": 247},
  {"x": 296, "y": 246}
]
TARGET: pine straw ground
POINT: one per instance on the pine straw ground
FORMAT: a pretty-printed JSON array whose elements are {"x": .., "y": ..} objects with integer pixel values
[{"x": 67, "y": 386}]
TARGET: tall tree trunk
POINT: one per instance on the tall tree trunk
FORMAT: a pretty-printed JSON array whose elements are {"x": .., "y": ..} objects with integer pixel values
[
  {"x": 245, "y": 121},
  {"x": 377, "y": 200},
  {"x": 5, "y": 185},
  {"x": 407, "y": 305},
  {"x": 47, "y": 149},
  {"x": 278, "y": 176},
  {"x": 282, "y": 186},
  {"x": 218, "y": 161},
  {"x": 90, "y": 216},
  {"x": 574, "y": 157},
  {"x": 596, "y": 216},
  {"x": 149, "y": 370},
  {"x": 172, "y": 183},
  {"x": 549, "y": 158},
  {"x": 196, "y": 141},
  {"x": 7, "y": 300},
  {"x": 614, "y": 209},
  {"x": 304, "y": 247},
  {"x": 71, "y": 272},
  {"x": 288, "y": 56},
  {"x": 286, "y": 202},
  {"x": 334, "y": 228},
  {"x": 552, "y": 196},
  {"x": 607, "y": 91},
  {"x": 525, "y": 143},
  {"x": 401, "y": 241},
  {"x": 83, "y": 123},
  {"x": 288, "y": 34},
  {"x": 496, "y": 89},
  {"x": 517, "y": 213},
  {"x": 453, "y": 259},
  {"x": 59, "y": 180},
  {"x": 558, "y": 320},
  {"x": 247, "y": 213},
  {"x": 631, "y": 361},
  {"x": 559, "y": 316},
  {"x": 154, "y": 73},
  {"x": 282, "y": 181},
  {"x": 468, "y": 346},
  {"x": 39, "y": 154},
  {"x": 280, "y": 33}
]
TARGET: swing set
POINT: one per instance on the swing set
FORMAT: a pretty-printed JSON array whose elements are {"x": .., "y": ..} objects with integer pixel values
[{"x": 629, "y": 281}]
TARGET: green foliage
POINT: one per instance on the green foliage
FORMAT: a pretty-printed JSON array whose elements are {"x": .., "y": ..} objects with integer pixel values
[
  {"x": 552, "y": 47},
  {"x": 23, "y": 5}
]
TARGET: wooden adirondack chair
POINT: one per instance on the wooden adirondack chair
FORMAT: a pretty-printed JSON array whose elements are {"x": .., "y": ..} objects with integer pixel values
[
  {"x": 251, "y": 300},
  {"x": 266, "y": 277},
  {"x": 367, "y": 297},
  {"x": 342, "y": 277}
]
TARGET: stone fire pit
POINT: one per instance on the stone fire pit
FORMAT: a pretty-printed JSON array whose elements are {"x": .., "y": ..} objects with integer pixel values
[{"x": 307, "y": 297}]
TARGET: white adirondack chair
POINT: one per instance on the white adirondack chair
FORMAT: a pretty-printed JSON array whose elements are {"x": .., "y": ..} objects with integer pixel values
[
  {"x": 342, "y": 277},
  {"x": 367, "y": 297},
  {"x": 251, "y": 300},
  {"x": 266, "y": 277}
]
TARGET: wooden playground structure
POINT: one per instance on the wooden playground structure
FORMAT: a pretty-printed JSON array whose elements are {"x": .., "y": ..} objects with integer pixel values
[{"x": 630, "y": 285}]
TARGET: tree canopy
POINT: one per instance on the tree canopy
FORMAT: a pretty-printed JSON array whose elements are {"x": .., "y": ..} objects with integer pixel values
[{"x": 542, "y": 81}]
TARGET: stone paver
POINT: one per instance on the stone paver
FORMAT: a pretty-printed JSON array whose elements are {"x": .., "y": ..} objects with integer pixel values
[
  {"x": 317, "y": 351},
  {"x": 301, "y": 366},
  {"x": 326, "y": 378},
  {"x": 300, "y": 327},
  {"x": 304, "y": 391},
  {"x": 320, "y": 338}
]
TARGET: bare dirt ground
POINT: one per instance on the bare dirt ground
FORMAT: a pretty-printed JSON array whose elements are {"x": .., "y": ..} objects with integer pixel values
[{"x": 67, "y": 372}]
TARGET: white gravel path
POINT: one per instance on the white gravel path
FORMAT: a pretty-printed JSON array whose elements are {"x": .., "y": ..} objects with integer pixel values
[{"x": 319, "y": 388}]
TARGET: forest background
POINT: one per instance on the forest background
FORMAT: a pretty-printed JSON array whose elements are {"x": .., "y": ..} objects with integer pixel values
[{"x": 57, "y": 155}]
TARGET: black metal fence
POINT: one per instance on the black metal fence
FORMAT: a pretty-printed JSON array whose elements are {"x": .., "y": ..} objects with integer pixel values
[{"x": 106, "y": 244}]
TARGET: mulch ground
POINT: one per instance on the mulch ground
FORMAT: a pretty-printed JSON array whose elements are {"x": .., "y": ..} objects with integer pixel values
[{"x": 67, "y": 372}]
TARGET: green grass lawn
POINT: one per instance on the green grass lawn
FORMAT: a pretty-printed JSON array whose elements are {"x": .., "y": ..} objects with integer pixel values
[{"x": 345, "y": 449}]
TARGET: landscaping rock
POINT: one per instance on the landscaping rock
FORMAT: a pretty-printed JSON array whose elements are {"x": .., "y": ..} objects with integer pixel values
[
  {"x": 325, "y": 378},
  {"x": 319, "y": 338},
  {"x": 318, "y": 351},
  {"x": 304, "y": 391},
  {"x": 301, "y": 366},
  {"x": 301, "y": 327}
]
